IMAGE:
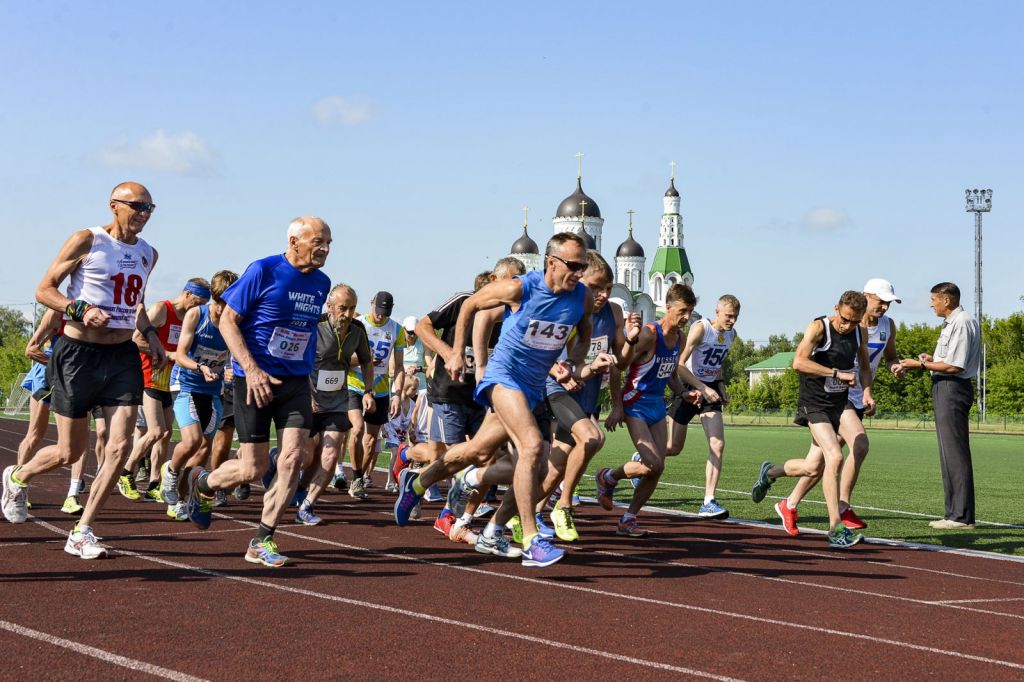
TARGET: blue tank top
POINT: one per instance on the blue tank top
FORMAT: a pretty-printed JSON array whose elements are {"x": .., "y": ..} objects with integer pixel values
[
  {"x": 651, "y": 377},
  {"x": 280, "y": 307},
  {"x": 600, "y": 342},
  {"x": 208, "y": 348},
  {"x": 533, "y": 337}
]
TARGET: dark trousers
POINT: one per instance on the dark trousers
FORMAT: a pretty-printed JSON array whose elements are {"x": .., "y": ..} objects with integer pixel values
[{"x": 952, "y": 398}]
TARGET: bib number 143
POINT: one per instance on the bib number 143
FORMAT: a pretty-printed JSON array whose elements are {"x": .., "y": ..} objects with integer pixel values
[{"x": 544, "y": 335}]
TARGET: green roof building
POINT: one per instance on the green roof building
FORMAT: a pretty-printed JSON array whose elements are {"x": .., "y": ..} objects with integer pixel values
[{"x": 670, "y": 265}]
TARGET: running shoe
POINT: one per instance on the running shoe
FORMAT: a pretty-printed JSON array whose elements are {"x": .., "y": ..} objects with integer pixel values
[
  {"x": 543, "y": 528},
  {"x": 126, "y": 486},
  {"x": 154, "y": 494},
  {"x": 356, "y": 490},
  {"x": 407, "y": 497},
  {"x": 72, "y": 506},
  {"x": 417, "y": 511},
  {"x": 268, "y": 477},
  {"x": 220, "y": 498},
  {"x": 306, "y": 517},
  {"x": 492, "y": 495},
  {"x": 630, "y": 527},
  {"x": 463, "y": 533},
  {"x": 143, "y": 473},
  {"x": 484, "y": 510},
  {"x": 339, "y": 482},
  {"x": 713, "y": 510},
  {"x": 433, "y": 494},
  {"x": 851, "y": 520},
  {"x": 459, "y": 494},
  {"x": 842, "y": 537},
  {"x": 635, "y": 481},
  {"x": 399, "y": 465},
  {"x": 498, "y": 546},
  {"x": 516, "y": 526},
  {"x": 84, "y": 545},
  {"x": 242, "y": 492},
  {"x": 760, "y": 488},
  {"x": 443, "y": 524},
  {"x": 391, "y": 487},
  {"x": 576, "y": 496},
  {"x": 541, "y": 552},
  {"x": 169, "y": 483},
  {"x": 265, "y": 553},
  {"x": 367, "y": 481},
  {"x": 178, "y": 511},
  {"x": 565, "y": 527},
  {"x": 14, "y": 499},
  {"x": 789, "y": 517},
  {"x": 605, "y": 491},
  {"x": 200, "y": 507}
]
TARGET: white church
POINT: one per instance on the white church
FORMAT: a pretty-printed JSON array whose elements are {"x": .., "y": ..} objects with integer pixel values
[{"x": 635, "y": 289}]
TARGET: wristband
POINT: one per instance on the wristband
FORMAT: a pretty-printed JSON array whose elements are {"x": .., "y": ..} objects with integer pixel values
[
  {"x": 634, "y": 342},
  {"x": 76, "y": 310},
  {"x": 835, "y": 373}
]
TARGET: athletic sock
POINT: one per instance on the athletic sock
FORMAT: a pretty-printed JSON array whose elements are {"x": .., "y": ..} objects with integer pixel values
[
  {"x": 153, "y": 485},
  {"x": 527, "y": 539},
  {"x": 125, "y": 472},
  {"x": 171, "y": 470},
  {"x": 708, "y": 498},
  {"x": 418, "y": 487},
  {"x": 628, "y": 515},
  {"x": 17, "y": 481},
  {"x": 73, "y": 488},
  {"x": 472, "y": 477},
  {"x": 843, "y": 507},
  {"x": 790, "y": 505},
  {"x": 490, "y": 530},
  {"x": 466, "y": 518},
  {"x": 263, "y": 532},
  {"x": 81, "y": 529}
]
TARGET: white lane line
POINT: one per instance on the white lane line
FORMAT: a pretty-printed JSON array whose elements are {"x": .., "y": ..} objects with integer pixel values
[
  {"x": 105, "y": 656},
  {"x": 422, "y": 616},
  {"x": 979, "y": 601}
]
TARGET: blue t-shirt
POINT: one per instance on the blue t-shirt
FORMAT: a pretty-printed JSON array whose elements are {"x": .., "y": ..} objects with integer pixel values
[
  {"x": 533, "y": 337},
  {"x": 280, "y": 309},
  {"x": 601, "y": 339},
  {"x": 208, "y": 348}
]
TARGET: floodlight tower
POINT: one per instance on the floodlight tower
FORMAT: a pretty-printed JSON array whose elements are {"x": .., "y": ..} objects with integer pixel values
[{"x": 979, "y": 201}]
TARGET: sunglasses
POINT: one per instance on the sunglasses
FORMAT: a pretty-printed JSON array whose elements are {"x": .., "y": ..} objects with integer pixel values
[
  {"x": 138, "y": 206},
  {"x": 574, "y": 266}
]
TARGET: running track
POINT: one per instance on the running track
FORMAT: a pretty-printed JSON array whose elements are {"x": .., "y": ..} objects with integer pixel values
[{"x": 366, "y": 599}]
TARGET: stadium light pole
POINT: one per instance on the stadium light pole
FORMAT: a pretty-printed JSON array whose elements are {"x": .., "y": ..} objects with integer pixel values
[{"x": 979, "y": 201}]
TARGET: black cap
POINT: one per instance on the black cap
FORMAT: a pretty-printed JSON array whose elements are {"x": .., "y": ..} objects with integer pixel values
[{"x": 383, "y": 303}]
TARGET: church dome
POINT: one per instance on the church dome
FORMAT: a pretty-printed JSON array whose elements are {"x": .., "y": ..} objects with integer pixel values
[
  {"x": 672, "y": 191},
  {"x": 630, "y": 248},
  {"x": 524, "y": 244},
  {"x": 570, "y": 206}
]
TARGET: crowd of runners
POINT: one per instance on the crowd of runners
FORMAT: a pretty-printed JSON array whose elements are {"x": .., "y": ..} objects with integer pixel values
[{"x": 489, "y": 405}]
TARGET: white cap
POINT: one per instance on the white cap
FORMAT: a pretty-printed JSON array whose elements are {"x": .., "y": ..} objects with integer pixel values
[
  {"x": 882, "y": 288},
  {"x": 410, "y": 323}
]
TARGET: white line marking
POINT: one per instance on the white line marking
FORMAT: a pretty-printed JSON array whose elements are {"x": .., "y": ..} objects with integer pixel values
[
  {"x": 105, "y": 656},
  {"x": 978, "y": 601},
  {"x": 415, "y": 614}
]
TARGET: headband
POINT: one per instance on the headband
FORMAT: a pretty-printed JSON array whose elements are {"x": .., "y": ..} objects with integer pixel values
[{"x": 197, "y": 290}]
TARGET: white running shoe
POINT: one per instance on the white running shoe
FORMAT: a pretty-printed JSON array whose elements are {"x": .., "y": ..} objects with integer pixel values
[
  {"x": 14, "y": 499},
  {"x": 84, "y": 545}
]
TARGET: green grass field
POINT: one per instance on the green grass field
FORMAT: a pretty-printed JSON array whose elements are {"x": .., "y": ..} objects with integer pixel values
[{"x": 900, "y": 479}]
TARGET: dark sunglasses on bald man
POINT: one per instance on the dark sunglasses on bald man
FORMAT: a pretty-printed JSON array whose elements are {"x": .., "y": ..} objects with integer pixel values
[
  {"x": 137, "y": 206},
  {"x": 574, "y": 266}
]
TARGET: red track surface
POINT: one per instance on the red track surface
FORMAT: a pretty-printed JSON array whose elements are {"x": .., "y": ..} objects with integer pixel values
[{"x": 366, "y": 599}]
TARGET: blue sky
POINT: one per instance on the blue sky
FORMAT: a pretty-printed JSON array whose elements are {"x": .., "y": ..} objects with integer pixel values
[{"x": 818, "y": 145}]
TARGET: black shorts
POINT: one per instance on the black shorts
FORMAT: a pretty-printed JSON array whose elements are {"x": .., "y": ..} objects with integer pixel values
[
  {"x": 379, "y": 416},
  {"x": 683, "y": 412},
  {"x": 290, "y": 408},
  {"x": 545, "y": 420},
  {"x": 805, "y": 416},
  {"x": 227, "y": 399},
  {"x": 330, "y": 421},
  {"x": 166, "y": 398},
  {"x": 86, "y": 375},
  {"x": 566, "y": 412}
]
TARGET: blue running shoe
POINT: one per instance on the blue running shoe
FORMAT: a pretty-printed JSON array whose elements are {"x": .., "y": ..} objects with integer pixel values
[
  {"x": 433, "y": 494},
  {"x": 408, "y": 498},
  {"x": 459, "y": 494},
  {"x": 635, "y": 481},
  {"x": 200, "y": 507},
  {"x": 763, "y": 483},
  {"x": 541, "y": 553},
  {"x": 306, "y": 517},
  {"x": 543, "y": 528},
  {"x": 265, "y": 553},
  {"x": 713, "y": 510},
  {"x": 268, "y": 478}
]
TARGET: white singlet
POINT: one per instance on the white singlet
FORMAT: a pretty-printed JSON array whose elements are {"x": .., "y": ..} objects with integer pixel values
[
  {"x": 706, "y": 359},
  {"x": 878, "y": 336},
  {"x": 112, "y": 277}
]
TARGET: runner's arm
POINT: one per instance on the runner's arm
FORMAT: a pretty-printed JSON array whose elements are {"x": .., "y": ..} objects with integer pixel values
[
  {"x": 802, "y": 361},
  {"x": 49, "y": 323},
  {"x": 501, "y": 292},
  {"x": 483, "y": 325},
  {"x": 71, "y": 254}
]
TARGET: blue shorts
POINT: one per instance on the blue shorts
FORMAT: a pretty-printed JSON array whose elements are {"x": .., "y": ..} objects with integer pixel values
[
  {"x": 453, "y": 423},
  {"x": 650, "y": 407},
  {"x": 483, "y": 393},
  {"x": 35, "y": 383},
  {"x": 198, "y": 408}
]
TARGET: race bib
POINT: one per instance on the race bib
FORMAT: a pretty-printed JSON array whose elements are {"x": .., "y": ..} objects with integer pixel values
[
  {"x": 329, "y": 381},
  {"x": 835, "y": 385},
  {"x": 543, "y": 335},
  {"x": 470, "y": 361},
  {"x": 665, "y": 369},
  {"x": 173, "y": 334},
  {"x": 597, "y": 346},
  {"x": 214, "y": 359},
  {"x": 288, "y": 344}
]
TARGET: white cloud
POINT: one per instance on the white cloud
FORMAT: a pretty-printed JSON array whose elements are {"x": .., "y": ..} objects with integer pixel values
[
  {"x": 184, "y": 153},
  {"x": 825, "y": 219},
  {"x": 349, "y": 111}
]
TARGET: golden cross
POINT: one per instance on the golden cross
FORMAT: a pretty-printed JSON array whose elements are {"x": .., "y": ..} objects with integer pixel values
[
  {"x": 583, "y": 209},
  {"x": 579, "y": 160},
  {"x": 526, "y": 215},
  {"x": 673, "y": 165},
  {"x": 630, "y": 212}
]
